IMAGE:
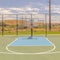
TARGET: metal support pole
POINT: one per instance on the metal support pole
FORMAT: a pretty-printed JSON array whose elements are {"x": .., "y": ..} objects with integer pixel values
[
  {"x": 16, "y": 24},
  {"x": 45, "y": 25},
  {"x": 2, "y": 25},
  {"x": 49, "y": 15},
  {"x": 31, "y": 27},
  {"x": 22, "y": 23}
]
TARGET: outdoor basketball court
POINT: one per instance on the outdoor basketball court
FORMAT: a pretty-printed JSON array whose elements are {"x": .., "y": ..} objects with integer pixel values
[
  {"x": 29, "y": 39},
  {"x": 30, "y": 45},
  {"x": 29, "y": 30},
  {"x": 16, "y": 45}
]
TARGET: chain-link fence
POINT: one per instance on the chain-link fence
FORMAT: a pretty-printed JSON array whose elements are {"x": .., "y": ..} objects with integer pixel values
[
  {"x": 28, "y": 24},
  {"x": 55, "y": 22}
]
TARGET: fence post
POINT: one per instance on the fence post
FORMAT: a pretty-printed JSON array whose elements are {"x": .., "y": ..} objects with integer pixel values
[
  {"x": 46, "y": 25},
  {"x": 31, "y": 27},
  {"x": 16, "y": 24},
  {"x": 2, "y": 25}
]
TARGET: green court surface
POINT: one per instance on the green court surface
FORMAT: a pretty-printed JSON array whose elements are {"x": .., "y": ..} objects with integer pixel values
[{"x": 43, "y": 53}]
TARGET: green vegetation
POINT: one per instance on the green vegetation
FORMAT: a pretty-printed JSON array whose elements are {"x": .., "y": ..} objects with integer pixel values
[{"x": 28, "y": 32}]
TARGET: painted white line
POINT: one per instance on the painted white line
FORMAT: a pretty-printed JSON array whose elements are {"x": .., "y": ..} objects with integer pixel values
[
  {"x": 52, "y": 44},
  {"x": 31, "y": 53}
]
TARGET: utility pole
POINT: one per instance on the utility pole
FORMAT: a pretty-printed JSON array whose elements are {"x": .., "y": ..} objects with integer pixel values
[{"x": 49, "y": 15}]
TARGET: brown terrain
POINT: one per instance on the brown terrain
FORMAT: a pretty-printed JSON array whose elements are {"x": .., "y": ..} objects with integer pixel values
[{"x": 11, "y": 25}]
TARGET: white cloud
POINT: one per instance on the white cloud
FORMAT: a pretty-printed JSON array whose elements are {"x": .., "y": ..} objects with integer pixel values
[
  {"x": 5, "y": 11},
  {"x": 16, "y": 9},
  {"x": 25, "y": 10},
  {"x": 54, "y": 8}
]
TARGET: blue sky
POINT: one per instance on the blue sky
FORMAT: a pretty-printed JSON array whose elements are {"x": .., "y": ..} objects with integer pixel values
[
  {"x": 39, "y": 6},
  {"x": 21, "y": 3}
]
